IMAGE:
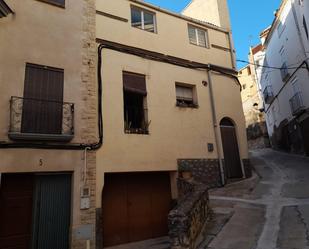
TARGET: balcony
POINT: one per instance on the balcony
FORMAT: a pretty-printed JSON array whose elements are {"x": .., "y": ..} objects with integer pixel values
[
  {"x": 41, "y": 120},
  {"x": 296, "y": 103},
  {"x": 268, "y": 95}
]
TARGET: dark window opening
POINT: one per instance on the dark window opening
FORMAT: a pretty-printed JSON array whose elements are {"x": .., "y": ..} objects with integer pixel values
[
  {"x": 60, "y": 3},
  {"x": 305, "y": 27},
  {"x": 135, "y": 111}
]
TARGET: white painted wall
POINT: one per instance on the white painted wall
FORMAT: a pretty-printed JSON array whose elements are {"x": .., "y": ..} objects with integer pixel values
[{"x": 285, "y": 46}]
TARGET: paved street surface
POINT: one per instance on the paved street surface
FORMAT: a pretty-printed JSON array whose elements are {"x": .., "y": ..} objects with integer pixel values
[{"x": 266, "y": 212}]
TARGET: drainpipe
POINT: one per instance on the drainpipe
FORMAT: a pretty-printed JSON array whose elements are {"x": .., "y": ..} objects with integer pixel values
[{"x": 215, "y": 124}]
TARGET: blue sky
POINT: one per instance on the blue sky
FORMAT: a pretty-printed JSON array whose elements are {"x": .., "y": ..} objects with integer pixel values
[{"x": 249, "y": 18}]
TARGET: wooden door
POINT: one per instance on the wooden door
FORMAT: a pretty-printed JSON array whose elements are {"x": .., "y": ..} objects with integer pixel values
[
  {"x": 115, "y": 211},
  {"x": 135, "y": 207},
  {"x": 43, "y": 100},
  {"x": 230, "y": 150},
  {"x": 16, "y": 193}
]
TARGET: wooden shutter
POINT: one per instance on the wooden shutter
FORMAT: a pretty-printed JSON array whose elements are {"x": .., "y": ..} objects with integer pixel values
[
  {"x": 43, "y": 100},
  {"x": 134, "y": 83}
]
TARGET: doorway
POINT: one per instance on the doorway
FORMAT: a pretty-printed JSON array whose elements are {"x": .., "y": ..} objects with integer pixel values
[{"x": 232, "y": 162}]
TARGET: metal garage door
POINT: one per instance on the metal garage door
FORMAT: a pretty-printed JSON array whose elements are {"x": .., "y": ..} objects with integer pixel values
[{"x": 135, "y": 207}]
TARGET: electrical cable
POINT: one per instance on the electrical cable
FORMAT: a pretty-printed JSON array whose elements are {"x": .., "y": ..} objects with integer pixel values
[{"x": 270, "y": 67}]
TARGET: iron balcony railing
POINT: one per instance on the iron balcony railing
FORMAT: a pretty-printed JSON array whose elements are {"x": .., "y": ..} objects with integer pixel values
[
  {"x": 268, "y": 94},
  {"x": 38, "y": 119},
  {"x": 296, "y": 103}
]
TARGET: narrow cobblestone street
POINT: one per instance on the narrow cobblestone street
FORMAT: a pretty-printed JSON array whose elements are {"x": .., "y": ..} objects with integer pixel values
[{"x": 268, "y": 211}]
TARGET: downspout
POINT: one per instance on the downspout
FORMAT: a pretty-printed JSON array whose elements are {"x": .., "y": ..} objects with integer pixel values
[{"x": 215, "y": 125}]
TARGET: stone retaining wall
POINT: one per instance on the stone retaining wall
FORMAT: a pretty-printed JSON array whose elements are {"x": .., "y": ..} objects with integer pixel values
[{"x": 187, "y": 219}]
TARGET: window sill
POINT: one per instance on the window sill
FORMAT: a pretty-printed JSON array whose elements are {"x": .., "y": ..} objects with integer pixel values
[
  {"x": 151, "y": 32},
  {"x": 136, "y": 132},
  {"x": 200, "y": 46},
  {"x": 193, "y": 106},
  {"x": 40, "y": 137}
]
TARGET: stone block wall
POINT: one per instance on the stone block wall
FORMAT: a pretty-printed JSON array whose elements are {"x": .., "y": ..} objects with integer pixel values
[
  {"x": 187, "y": 219},
  {"x": 206, "y": 171},
  {"x": 83, "y": 235}
]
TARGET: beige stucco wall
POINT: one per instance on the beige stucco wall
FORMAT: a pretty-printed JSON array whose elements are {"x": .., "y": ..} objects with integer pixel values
[
  {"x": 40, "y": 38},
  {"x": 175, "y": 133},
  {"x": 212, "y": 11},
  {"x": 171, "y": 37},
  {"x": 44, "y": 34}
]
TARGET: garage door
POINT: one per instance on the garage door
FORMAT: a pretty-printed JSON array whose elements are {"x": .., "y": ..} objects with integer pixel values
[
  {"x": 135, "y": 207},
  {"x": 35, "y": 211}
]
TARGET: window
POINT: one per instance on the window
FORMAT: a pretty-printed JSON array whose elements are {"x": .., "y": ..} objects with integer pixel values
[
  {"x": 198, "y": 36},
  {"x": 249, "y": 70},
  {"x": 43, "y": 100},
  {"x": 60, "y": 3},
  {"x": 185, "y": 95},
  {"x": 134, "y": 96},
  {"x": 244, "y": 86},
  {"x": 284, "y": 72},
  {"x": 143, "y": 19},
  {"x": 305, "y": 27}
]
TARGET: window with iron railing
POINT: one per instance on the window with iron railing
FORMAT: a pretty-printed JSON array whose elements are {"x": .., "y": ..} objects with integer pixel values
[{"x": 37, "y": 119}]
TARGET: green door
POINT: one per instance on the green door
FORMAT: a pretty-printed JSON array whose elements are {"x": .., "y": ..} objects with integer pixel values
[{"x": 52, "y": 211}]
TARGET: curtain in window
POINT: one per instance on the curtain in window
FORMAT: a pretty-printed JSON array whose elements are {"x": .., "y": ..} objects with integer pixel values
[{"x": 185, "y": 93}]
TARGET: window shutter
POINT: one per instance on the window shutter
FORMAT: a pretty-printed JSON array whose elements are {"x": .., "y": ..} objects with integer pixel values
[
  {"x": 134, "y": 83},
  {"x": 185, "y": 93},
  {"x": 192, "y": 35},
  {"x": 201, "y": 38}
]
